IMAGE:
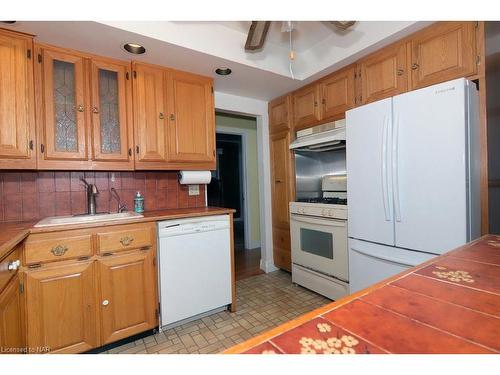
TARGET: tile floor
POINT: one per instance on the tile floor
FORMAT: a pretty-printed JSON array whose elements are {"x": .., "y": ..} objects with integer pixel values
[{"x": 264, "y": 301}]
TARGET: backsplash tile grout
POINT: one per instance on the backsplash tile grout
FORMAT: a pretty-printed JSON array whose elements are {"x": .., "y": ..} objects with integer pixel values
[{"x": 27, "y": 195}]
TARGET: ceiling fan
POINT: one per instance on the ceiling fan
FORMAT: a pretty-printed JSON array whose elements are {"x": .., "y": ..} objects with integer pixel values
[{"x": 258, "y": 32}]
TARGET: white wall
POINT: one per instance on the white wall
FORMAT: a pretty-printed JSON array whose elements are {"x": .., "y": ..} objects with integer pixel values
[{"x": 258, "y": 108}]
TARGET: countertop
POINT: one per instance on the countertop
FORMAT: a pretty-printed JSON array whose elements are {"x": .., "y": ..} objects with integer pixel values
[
  {"x": 12, "y": 234},
  {"x": 450, "y": 304}
]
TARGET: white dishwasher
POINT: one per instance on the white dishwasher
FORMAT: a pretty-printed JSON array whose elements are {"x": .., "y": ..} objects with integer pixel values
[{"x": 194, "y": 267}]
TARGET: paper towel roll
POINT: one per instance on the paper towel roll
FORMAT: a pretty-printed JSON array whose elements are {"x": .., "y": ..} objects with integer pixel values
[{"x": 194, "y": 177}]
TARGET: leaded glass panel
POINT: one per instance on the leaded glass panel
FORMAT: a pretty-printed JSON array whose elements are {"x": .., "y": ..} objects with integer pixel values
[
  {"x": 109, "y": 112},
  {"x": 66, "y": 131}
]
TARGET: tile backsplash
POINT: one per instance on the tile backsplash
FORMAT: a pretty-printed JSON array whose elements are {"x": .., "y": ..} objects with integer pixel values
[{"x": 31, "y": 195}]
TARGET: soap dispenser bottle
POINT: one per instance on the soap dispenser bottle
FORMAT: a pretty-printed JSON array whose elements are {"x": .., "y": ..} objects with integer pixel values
[{"x": 139, "y": 203}]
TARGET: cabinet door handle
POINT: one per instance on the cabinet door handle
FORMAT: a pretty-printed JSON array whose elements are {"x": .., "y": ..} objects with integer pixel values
[
  {"x": 105, "y": 302},
  {"x": 30, "y": 145},
  {"x": 95, "y": 110},
  {"x": 80, "y": 108},
  {"x": 161, "y": 116},
  {"x": 414, "y": 66},
  {"x": 14, "y": 265},
  {"x": 59, "y": 250},
  {"x": 129, "y": 152},
  {"x": 125, "y": 241},
  {"x": 315, "y": 103},
  {"x": 400, "y": 72},
  {"x": 172, "y": 117}
]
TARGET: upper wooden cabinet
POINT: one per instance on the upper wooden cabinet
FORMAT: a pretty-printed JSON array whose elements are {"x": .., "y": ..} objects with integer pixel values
[
  {"x": 337, "y": 94},
  {"x": 84, "y": 111},
  {"x": 150, "y": 116},
  {"x": 306, "y": 111},
  {"x": 279, "y": 114},
  {"x": 174, "y": 119},
  {"x": 443, "y": 52},
  {"x": 192, "y": 119},
  {"x": 17, "y": 120},
  {"x": 383, "y": 74}
]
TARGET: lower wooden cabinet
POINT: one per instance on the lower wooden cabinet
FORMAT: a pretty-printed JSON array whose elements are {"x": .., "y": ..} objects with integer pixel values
[
  {"x": 61, "y": 308},
  {"x": 127, "y": 294},
  {"x": 11, "y": 319}
]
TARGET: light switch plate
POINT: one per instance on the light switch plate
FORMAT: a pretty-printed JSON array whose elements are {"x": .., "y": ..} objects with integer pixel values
[{"x": 194, "y": 189}]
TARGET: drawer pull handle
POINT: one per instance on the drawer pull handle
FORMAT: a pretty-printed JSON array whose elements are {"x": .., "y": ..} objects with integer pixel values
[
  {"x": 125, "y": 241},
  {"x": 14, "y": 265},
  {"x": 105, "y": 302},
  {"x": 59, "y": 250}
]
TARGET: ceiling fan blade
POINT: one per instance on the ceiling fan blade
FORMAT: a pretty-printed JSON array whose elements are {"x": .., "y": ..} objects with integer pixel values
[
  {"x": 343, "y": 25},
  {"x": 257, "y": 35}
]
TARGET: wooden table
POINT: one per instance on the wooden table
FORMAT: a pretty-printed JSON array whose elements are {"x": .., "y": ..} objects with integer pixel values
[{"x": 450, "y": 304}]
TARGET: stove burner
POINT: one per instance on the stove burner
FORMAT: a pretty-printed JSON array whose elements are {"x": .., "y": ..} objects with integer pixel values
[{"x": 342, "y": 201}]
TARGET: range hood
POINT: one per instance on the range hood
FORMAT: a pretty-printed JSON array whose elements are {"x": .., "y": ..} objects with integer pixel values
[{"x": 319, "y": 142}]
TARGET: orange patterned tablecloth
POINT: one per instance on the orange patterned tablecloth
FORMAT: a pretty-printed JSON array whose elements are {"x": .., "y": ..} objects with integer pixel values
[{"x": 450, "y": 304}]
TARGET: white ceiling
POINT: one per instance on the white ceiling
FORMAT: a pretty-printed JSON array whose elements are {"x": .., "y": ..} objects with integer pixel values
[{"x": 201, "y": 47}]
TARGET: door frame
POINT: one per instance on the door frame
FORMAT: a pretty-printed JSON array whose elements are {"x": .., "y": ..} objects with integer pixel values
[{"x": 247, "y": 225}]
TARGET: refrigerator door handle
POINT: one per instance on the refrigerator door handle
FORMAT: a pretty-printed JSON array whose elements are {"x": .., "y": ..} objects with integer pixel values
[
  {"x": 385, "y": 190},
  {"x": 395, "y": 162}
]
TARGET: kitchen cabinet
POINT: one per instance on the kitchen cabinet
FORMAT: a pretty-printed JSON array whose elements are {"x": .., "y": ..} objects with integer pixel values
[
  {"x": 280, "y": 114},
  {"x": 12, "y": 337},
  {"x": 337, "y": 94},
  {"x": 150, "y": 119},
  {"x": 175, "y": 130},
  {"x": 61, "y": 307},
  {"x": 281, "y": 191},
  {"x": 306, "y": 112},
  {"x": 443, "y": 52},
  {"x": 17, "y": 110},
  {"x": 383, "y": 74},
  {"x": 84, "y": 111},
  {"x": 127, "y": 294},
  {"x": 192, "y": 119},
  {"x": 85, "y": 288}
]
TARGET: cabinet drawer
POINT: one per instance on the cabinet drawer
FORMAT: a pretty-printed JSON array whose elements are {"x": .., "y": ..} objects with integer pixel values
[
  {"x": 5, "y": 274},
  {"x": 49, "y": 247},
  {"x": 125, "y": 238},
  {"x": 281, "y": 238},
  {"x": 282, "y": 259}
]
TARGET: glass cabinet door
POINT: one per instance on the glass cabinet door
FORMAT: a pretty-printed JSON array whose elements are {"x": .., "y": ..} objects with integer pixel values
[
  {"x": 109, "y": 112},
  {"x": 64, "y": 105}
]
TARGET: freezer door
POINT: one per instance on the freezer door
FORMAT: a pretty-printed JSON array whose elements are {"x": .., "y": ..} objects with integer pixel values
[
  {"x": 370, "y": 263},
  {"x": 430, "y": 168},
  {"x": 369, "y": 191}
]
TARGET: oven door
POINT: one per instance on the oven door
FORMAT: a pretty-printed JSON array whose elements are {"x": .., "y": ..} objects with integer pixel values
[{"x": 320, "y": 244}]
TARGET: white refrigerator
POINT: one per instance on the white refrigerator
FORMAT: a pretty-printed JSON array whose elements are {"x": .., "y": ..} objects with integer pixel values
[{"x": 412, "y": 179}]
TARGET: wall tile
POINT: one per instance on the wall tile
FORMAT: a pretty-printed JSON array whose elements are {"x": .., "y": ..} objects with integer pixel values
[
  {"x": 27, "y": 195},
  {"x": 63, "y": 181}
]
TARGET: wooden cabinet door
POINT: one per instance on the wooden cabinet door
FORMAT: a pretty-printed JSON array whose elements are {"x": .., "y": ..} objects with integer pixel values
[
  {"x": 128, "y": 295},
  {"x": 279, "y": 114},
  {"x": 192, "y": 118},
  {"x": 111, "y": 111},
  {"x": 63, "y": 133},
  {"x": 337, "y": 94},
  {"x": 280, "y": 178},
  {"x": 60, "y": 308},
  {"x": 306, "y": 107},
  {"x": 17, "y": 123},
  {"x": 150, "y": 116},
  {"x": 443, "y": 52},
  {"x": 12, "y": 339},
  {"x": 383, "y": 74}
]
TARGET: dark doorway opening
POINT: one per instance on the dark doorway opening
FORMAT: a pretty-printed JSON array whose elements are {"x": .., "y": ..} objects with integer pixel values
[{"x": 226, "y": 186}]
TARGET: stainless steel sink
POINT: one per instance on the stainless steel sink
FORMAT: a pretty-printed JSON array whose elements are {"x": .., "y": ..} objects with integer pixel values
[{"x": 79, "y": 219}]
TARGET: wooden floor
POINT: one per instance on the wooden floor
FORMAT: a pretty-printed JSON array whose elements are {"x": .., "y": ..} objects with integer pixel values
[{"x": 246, "y": 263}]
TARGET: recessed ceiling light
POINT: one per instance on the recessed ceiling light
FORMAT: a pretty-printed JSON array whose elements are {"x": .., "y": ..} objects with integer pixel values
[
  {"x": 223, "y": 71},
  {"x": 134, "y": 48},
  {"x": 9, "y": 22}
]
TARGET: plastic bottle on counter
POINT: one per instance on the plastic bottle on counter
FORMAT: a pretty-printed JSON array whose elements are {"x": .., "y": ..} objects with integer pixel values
[{"x": 139, "y": 203}]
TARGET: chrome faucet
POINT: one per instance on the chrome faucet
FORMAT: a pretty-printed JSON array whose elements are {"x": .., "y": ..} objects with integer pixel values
[
  {"x": 91, "y": 194},
  {"x": 122, "y": 207}
]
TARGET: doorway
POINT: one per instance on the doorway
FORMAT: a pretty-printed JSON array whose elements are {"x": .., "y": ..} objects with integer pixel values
[{"x": 226, "y": 187}]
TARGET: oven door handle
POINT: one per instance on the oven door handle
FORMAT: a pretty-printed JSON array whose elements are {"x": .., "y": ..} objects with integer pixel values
[{"x": 311, "y": 220}]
